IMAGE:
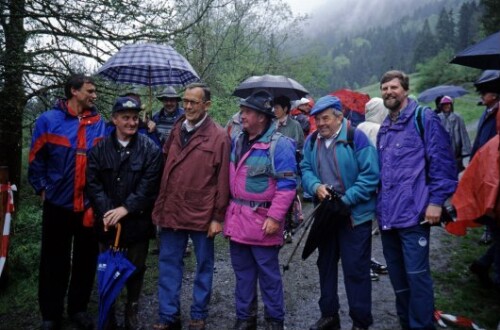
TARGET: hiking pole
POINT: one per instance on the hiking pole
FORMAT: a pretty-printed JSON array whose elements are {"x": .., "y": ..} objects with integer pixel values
[{"x": 306, "y": 223}]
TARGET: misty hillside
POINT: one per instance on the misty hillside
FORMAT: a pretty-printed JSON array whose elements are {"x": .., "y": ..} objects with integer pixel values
[{"x": 356, "y": 41}]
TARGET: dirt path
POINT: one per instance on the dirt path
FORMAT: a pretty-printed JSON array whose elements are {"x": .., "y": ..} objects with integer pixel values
[{"x": 301, "y": 292}]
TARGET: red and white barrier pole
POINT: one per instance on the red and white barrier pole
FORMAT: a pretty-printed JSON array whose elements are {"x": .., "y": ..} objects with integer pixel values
[{"x": 9, "y": 209}]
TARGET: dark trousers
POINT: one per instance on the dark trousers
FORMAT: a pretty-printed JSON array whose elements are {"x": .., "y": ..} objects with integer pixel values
[
  {"x": 406, "y": 252},
  {"x": 353, "y": 246},
  {"x": 68, "y": 256}
]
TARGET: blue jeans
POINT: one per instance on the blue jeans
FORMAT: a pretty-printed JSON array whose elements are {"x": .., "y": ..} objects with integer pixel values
[
  {"x": 406, "y": 252},
  {"x": 171, "y": 264}
]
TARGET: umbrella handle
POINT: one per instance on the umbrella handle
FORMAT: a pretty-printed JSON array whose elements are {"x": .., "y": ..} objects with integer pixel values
[{"x": 117, "y": 237}]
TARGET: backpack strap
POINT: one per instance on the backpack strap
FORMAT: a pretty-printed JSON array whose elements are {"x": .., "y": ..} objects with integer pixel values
[{"x": 419, "y": 121}]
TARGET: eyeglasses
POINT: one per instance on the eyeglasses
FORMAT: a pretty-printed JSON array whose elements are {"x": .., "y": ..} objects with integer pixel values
[{"x": 192, "y": 102}]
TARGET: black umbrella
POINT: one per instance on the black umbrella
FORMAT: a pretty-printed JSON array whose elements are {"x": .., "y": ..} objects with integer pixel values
[
  {"x": 483, "y": 55},
  {"x": 275, "y": 85},
  {"x": 326, "y": 216}
]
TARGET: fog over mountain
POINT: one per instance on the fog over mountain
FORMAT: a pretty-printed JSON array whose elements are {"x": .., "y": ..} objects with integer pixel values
[{"x": 351, "y": 16}]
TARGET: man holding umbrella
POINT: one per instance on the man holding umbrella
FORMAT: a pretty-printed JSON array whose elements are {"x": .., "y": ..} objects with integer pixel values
[
  {"x": 339, "y": 158},
  {"x": 193, "y": 198},
  {"x": 168, "y": 115},
  {"x": 123, "y": 176},
  {"x": 263, "y": 183}
]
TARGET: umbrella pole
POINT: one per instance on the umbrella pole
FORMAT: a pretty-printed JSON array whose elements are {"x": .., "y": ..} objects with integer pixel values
[{"x": 306, "y": 223}]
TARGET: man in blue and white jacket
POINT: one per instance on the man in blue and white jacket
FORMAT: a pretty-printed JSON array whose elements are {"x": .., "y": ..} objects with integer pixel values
[{"x": 351, "y": 168}]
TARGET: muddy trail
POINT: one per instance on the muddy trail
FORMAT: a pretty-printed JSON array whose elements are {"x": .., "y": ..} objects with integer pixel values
[{"x": 301, "y": 286}]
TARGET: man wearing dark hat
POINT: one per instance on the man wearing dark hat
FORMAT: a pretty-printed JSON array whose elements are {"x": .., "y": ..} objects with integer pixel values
[
  {"x": 123, "y": 175},
  {"x": 168, "y": 115},
  {"x": 262, "y": 183},
  {"x": 488, "y": 86},
  {"x": 193, "y": 198},
  {"x": 340, "y": 158}
]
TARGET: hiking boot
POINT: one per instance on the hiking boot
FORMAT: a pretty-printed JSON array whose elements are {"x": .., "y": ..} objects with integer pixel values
[
  {"x": 485, "y": 238},
  {"x": 373, "y": 276},
  {"x": 327, "y": 323},
  {"x": 131, "y": 319},
  {"x": 482, "y": 273},
  {"x": 377, "y": 267},
  {"x": 274, "y": 324},
  {"x": 248, "y": 324},
  {"x": 197, "y": 325},
  {"x": 177, "y": 325},
  {"x": 50, "y": 325},
  {"x": 83, "y": 320}
]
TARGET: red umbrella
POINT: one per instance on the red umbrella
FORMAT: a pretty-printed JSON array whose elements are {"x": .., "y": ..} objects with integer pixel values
[{"x": 354, "y": 101}]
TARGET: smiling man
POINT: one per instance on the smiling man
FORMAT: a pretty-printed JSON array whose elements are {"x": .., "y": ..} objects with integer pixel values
[
  {"x": 61, "y": 140},
  {"x": 417, "y": 174},
  {"x": 341, "y": 158},
  {"x": 123, "y": 176},
  {"x": 193, "y": 197}
]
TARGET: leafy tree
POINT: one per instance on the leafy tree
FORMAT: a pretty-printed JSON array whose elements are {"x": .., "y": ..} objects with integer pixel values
[
  {"x": 43, "y": 40},
  {"x": 468, "y": 24},
  {"x": 491, "y": 16},
  {"x": 425, "y": 44},
  {"x": 438, "y": 71},
  {"x": 445, "y": 29}
]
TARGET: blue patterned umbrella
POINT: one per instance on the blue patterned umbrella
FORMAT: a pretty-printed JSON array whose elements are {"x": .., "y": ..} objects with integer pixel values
[{"x": 149, "y": 65}]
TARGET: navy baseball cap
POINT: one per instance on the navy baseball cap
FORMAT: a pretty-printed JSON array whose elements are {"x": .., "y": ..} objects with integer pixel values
[{"x": 124, "y": 103}]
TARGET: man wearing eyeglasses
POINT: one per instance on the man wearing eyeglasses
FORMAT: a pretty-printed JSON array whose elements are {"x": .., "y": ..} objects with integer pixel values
[{"x": 194, "y": 194}]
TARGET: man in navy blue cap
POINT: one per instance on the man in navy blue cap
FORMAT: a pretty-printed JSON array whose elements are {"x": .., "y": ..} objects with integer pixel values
[
  {"x": 340, "y": 158},
  {"x": 262, "y": 183},
  {"x": 123, "y": 176}
]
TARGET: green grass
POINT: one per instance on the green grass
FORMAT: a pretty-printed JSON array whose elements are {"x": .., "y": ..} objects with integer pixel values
[{"x": 457, "y": 291}]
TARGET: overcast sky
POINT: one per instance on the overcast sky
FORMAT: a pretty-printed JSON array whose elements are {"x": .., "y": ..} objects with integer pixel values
[{"x": 303, "y": 6}]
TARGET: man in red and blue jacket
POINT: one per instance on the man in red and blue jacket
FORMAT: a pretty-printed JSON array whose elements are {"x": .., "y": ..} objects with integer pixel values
[{"x": 57, "y": 163}]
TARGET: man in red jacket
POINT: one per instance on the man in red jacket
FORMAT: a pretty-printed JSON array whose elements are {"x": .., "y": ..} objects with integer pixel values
[{"x": 194, "y": 194}]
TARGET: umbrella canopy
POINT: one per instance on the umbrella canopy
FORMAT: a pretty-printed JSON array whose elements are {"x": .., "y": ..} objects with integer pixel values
[
  {"x": 149, "y": 65},
  {"x": 275, "y": 85},
  {"x": 352, "y": 100},
  {"x": 483, "y": 55},
  {"x": 430, "y": 94},
  {"x": 113, "y": 271}
]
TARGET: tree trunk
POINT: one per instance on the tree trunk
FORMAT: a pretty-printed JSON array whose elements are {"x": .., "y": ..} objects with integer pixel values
[{"x": 12, "y": 94}]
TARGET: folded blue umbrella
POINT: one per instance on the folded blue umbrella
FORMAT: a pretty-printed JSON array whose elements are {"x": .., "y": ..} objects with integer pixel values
[{"x": 113, "y": 271}]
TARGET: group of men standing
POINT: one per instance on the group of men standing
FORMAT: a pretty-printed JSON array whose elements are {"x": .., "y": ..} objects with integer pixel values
[{"x": 247, "y": 183}]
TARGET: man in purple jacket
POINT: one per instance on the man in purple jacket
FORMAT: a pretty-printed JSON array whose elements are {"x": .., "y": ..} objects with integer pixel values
[{"x": 417, "y": 174}]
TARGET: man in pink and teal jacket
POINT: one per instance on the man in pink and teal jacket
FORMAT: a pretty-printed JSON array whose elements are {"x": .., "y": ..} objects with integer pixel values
[{"x": 262, "y": 184}]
